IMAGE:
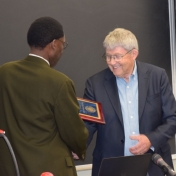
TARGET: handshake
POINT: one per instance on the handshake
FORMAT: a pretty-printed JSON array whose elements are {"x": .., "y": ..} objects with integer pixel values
[{"x": 76, "y": 157}]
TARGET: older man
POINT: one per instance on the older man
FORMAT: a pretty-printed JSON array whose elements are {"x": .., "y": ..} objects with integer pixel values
[{"x": 138, "y": 104}]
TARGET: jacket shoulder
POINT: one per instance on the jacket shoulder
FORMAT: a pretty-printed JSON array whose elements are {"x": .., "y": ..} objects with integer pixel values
[
  {"x": 149, "y": 66},
  {"x": 101, "y": 74}
]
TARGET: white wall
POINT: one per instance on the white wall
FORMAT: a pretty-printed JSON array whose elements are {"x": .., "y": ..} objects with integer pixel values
[
  {"x": 174, "y": 160},
  {"x": 84, "y": 170}
]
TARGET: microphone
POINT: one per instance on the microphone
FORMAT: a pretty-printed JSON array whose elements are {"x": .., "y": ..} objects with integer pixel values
[
  {"x": 2, "y": 133},
  {"x": 46, "y": 174},
  {"x": 157, "y": 159}
]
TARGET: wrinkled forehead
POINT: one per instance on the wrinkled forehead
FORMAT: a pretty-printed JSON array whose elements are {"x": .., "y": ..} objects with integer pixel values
[{"x": 116, "y": 50}]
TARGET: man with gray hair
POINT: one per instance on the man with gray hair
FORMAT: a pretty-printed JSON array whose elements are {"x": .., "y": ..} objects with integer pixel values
[{"x": 138, "y": 104}]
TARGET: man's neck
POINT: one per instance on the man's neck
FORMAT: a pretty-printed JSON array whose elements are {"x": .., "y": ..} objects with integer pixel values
[{"x": 31, "y": 54}]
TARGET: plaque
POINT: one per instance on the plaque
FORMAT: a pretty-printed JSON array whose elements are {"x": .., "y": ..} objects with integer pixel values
[{"x": 91, "y": 110}]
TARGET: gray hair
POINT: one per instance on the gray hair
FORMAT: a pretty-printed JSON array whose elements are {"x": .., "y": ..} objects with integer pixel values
[{"x": 120, "y": 37}]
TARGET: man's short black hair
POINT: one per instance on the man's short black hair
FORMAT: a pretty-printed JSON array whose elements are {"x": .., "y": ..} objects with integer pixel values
[{"x": 43, "y": 31}]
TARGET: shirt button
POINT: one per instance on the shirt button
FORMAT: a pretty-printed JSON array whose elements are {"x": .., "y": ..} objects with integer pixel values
[
  {"x": 133, "y": 132},
  {"x": 122, "y": 141},
  {"x": 129, "y": 101},
  {"x": 131, "y": 116}
]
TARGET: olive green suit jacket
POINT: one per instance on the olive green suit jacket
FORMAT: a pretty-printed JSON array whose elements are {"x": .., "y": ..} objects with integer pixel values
[{"x": 40, "y": 114}]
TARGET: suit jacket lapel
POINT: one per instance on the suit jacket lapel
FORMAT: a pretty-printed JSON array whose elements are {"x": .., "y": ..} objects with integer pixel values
[
  {"x": 112, "y": 91},
  {"x": 143, "y": 83}
]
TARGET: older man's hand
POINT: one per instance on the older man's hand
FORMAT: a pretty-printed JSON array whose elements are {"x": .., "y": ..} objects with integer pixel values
[{"x": 142, "y": 146}]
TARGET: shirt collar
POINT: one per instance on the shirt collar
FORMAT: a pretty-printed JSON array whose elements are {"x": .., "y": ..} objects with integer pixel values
[
  {"x": 135, "y": 69},
  {"x": 39, "y": 57}
]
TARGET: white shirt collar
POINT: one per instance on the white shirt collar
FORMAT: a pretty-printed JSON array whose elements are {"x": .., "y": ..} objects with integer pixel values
[
  {"x": 39, "y": 57},
  {"x": 135, "y": 69}
]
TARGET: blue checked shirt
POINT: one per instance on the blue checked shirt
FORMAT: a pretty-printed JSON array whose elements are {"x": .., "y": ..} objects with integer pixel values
[{"x": 128, "y": 94}]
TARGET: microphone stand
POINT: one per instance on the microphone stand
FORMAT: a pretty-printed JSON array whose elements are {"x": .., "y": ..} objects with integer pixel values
[{"x": 2, "y": 134}]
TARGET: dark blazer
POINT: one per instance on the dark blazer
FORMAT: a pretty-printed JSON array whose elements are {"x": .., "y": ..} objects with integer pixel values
[
  {"x": 157, "y": 114},
  {"x": 40, "y": 115}
]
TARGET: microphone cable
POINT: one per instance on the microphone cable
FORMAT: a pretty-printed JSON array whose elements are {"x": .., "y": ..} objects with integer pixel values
[{"x": 2, "y": 134}]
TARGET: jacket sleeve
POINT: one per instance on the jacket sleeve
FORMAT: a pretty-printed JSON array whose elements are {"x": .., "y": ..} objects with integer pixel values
[
  {"x": 167, "y": 128},
  {"x": 70, "y": 126},
  {"x": 92, "y": 127}
]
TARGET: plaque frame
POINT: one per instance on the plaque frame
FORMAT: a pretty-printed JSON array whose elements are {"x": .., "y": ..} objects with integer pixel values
[{"x": 94, "y": 108}]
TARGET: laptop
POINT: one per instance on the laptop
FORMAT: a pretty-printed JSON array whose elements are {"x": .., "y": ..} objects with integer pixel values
[{"x": 136, "y": 165}]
